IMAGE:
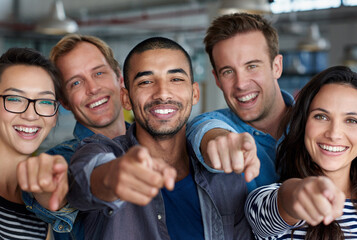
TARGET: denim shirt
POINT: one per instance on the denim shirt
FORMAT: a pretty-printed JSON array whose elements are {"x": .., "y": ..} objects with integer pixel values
[
  {"x": 63, "y": 220},
  {"x": 227, "y": 119},
  {"x": 221, "y": 197}
]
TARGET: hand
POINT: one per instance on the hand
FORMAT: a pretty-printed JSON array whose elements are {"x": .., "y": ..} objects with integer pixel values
[
  {"x": 313, "y": 199},
  {"x": 46, "y": 177},
  {"x": 228, "y": 151},
  {"x": 135, "y": 177}
]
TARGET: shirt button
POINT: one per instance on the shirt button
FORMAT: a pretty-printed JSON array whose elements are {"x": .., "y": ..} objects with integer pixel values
[
  {"x": 60, "y": 227},
  {"x": 159, "y": 217},
  {"x": 110, "y": 212},
  {"x": 256, "y": 133}
]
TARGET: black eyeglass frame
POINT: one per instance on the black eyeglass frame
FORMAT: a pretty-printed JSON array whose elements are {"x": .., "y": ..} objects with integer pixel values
[{"x": 29, "y": 100}]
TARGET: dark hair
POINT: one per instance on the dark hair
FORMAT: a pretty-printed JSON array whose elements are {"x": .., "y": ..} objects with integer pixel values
[
  {"x": 228, "y": 26},
  {"x": 30, "y": 57},
  {"x": 151, "y": 44},
  {"x": 293, "y": 159}
]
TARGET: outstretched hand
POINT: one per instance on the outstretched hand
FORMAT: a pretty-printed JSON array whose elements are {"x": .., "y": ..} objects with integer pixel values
[
  {"x": 313, "y": 199},
  {"x": 228, "y": 151},
  {"x": 46, "y": 177},
  {"x": 135, "y": 177}
]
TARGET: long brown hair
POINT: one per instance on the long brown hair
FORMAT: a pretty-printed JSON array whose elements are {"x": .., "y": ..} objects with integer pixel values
[{"x": 293, "y": 159}]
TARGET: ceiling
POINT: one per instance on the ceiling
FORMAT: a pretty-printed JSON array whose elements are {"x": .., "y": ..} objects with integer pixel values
[
  {"x": 111, "y": 16},
  {"x": 114, "y": 18}
]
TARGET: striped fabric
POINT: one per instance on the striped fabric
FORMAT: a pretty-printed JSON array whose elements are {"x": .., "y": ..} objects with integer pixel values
[
  {"x": 262, "y": 213},
  {"x": 18, "y": 223}
]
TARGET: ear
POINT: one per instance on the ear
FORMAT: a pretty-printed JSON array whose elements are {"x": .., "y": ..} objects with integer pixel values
[
  {"x": 125, "y": 99},
  {"x": 120, "y": 78},
  {"x": 64, "y": 105},
  {"x": 195, "y": 93},
  {"x": 218, "y": 83},
  {"x": 278, "y": 66}
]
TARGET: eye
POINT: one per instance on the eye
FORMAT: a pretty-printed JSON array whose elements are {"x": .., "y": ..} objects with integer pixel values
[
  {"x": 177, "y": 80},
  {"x": 14, "y": 99},
  {"x": 320, "y": 117},
  {"x": 144, "y": 82},
  {"x": 351, "y": 120},
  {"x": 227, "y": 72},
  {"x": 75, "y": 83},
  {"x": 253, "y": 66},
  {"x": 47, "y": 102},
  {"x": 99, "y": 73}
]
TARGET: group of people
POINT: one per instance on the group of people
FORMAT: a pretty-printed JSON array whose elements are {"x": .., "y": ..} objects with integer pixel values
[{"x": 161, "y": 177}]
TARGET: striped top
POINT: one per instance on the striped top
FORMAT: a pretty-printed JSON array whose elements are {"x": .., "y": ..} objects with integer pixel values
[
  {"x": 18, "y": 223},
  {"x": 262, "y": 213}
]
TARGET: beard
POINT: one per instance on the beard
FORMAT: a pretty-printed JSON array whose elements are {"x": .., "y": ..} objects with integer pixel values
[{"x": 163, "y": 132}]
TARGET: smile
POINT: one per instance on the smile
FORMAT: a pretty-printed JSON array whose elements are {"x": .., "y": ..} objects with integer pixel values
[
  {"x": 332, "y": 149},
  {"x": 248, "y": 97},
  {"x": 26, "y": 129},
  {"x": 98, "y": 103},
  {"x": 164, "y": 111}
]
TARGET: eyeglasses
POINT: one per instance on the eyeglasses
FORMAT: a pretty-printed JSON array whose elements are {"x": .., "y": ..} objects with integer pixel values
[{"x": 18, "y": 104}]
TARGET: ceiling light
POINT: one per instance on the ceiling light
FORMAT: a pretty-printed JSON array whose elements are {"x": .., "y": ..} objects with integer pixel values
[
  {"x": 250, "y": 6},
  {"x": 57, "y": 23},
  {"x": 313, "y": 41}
]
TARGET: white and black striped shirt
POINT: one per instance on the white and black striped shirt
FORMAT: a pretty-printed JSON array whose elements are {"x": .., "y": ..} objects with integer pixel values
[
  {"x": 261, "y": 210},
  {"x": 18, "y": 223}
]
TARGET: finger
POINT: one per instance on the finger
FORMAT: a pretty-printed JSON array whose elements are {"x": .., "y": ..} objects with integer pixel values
[
  {"x": 224, "y": 154},
  {"x": 46, "y": 174},
  {"x": 143, "y": 156},
  {"x": 32, "y": 174},
  {"x": 22, "y": 176},
  {"x": 57, "y": 199},
  {"x": 213, "y": 157},
  {"x": 252, "y": 165},
  {"x": 309, "y": 212},
  {"x": 237, "y": 159},
  {"x": 168, "y": 172}
]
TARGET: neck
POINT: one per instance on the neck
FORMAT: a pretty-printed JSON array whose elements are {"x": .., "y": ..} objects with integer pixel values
[
  {"x": 9, "y": 188},
  {"x": 172, "y": 150},
  {"x": 342, "y": 181},
  {"x": 271, "y": 124}
]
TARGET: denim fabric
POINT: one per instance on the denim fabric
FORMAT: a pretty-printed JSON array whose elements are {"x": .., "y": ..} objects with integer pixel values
[
  {"x": 227, "y": 119},
  {"x": 221, "y": 198}
]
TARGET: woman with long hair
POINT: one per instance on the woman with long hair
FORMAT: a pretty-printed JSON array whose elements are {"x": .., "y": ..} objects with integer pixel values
[
  {"x": 317, "y": 193},
  {"x": 29, "y": 93}
]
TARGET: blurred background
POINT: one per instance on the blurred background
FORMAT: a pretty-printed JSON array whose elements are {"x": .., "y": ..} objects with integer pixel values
[{"x": 313, "y": 34}]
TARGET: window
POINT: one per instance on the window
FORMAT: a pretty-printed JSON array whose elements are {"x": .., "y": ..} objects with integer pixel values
[{"x": 284, "y": 6}]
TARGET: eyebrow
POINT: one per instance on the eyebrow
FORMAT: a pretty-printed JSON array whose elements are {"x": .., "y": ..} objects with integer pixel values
[
  {"x": 150, "y": 73},
  {"x": 325, "y": 111},
  {"x": 23, "y": 92},
  {"x": 177, "y": 70}
]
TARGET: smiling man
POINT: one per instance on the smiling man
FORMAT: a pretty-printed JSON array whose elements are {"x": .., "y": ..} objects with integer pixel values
[
  {"x": 148, "y": 184},
  {"x": 243, "y": 50}
]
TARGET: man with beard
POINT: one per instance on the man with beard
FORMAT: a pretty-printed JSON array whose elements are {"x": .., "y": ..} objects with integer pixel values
[{"x": 148, "y": 184}]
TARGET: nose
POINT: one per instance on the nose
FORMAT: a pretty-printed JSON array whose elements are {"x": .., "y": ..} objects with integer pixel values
[
  {"x": 30, "y": 113},
  {"x": 334, "y": 131},
  {"x": 92, "y": 87},
  {"x": 162, "y": 91},
  {"x": 241, "y": 80}
]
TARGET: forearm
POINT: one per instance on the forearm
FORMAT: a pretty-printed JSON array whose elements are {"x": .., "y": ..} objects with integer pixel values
[{"x": 286, "y": 199}]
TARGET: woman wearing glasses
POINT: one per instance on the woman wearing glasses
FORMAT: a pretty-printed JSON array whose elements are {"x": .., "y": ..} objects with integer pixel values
[{"x": 28, "y": 110}]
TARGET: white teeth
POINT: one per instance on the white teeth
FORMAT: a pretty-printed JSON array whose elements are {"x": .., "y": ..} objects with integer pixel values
[
  {"x": 100, "y": 102},
  {"x": 332, "y": 149},
  {"x": 26, "y": 130},
  {"x": 164, "y": 111},
  {"x": 248, "y": 97}
]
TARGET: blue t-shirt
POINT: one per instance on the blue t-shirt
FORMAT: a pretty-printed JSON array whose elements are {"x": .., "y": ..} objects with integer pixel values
[{"x": 183, "y": 211}]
